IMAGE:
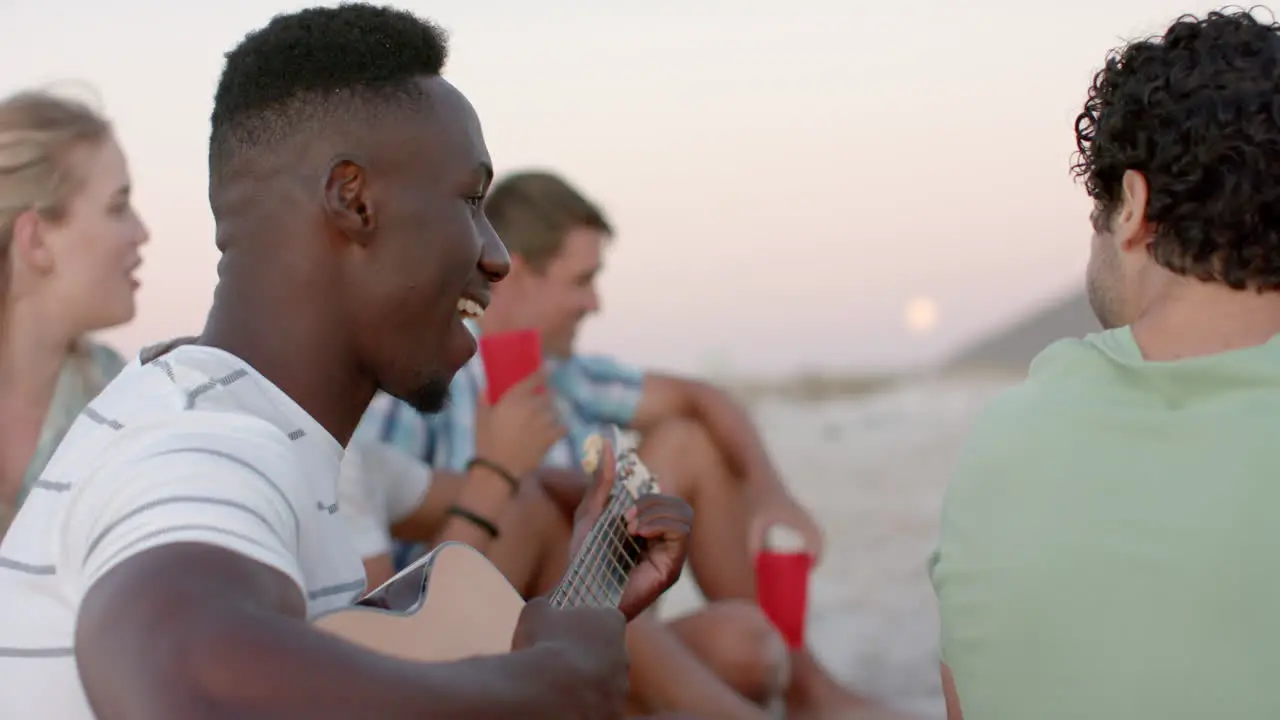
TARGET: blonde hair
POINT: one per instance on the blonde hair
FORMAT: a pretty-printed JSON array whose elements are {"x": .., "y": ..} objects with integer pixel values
[{"x": 38, "y": 133}]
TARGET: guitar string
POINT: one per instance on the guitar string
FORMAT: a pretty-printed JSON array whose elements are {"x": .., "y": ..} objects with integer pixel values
[
  {"x": 597, "y": 583},
  {"x": 607, "y": 574},
  {"x": 588, "y": 568},
  {"x": 613, "y": 564},
  {"x": 592, "y": 553},
  {"x": 566, "y": 592},
  {"x": 598, "y": 562}
]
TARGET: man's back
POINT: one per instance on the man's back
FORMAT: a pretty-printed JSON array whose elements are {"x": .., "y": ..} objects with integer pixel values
[
  {"x": 141, "y": 468},
  {"x": 1108, "y": 541}
]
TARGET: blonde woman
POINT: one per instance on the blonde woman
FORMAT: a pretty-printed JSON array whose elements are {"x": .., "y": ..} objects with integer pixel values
[{"x": 69, "y": 241}]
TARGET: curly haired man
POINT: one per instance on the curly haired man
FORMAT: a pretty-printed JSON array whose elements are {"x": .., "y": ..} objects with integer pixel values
[{"x": 1108, "y": 540}]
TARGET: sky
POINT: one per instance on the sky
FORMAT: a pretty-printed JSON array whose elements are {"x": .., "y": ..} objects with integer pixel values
[{"x": 785, "y": 178}]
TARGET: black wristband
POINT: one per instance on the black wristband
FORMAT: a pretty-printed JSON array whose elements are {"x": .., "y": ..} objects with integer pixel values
[
  {"x": 497, "y": 469},
  {"x": 490, "y": 529}
]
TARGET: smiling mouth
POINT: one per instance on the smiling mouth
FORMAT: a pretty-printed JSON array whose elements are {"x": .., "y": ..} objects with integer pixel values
[{"x": 470, "y": 309}]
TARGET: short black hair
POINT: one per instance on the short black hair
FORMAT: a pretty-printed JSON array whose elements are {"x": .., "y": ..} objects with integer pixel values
[
  {"x": 311, "y": 64},
  {"x": 1197, "y": 112}
]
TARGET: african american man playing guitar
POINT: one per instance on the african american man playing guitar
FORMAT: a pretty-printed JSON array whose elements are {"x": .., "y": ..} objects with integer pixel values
[{"x": 186, "y": 528}]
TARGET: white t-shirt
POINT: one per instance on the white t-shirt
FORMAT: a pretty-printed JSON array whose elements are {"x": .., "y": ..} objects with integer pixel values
[
  {"x": 377, "y": 487},
  {"x": 193, "y": 447}
]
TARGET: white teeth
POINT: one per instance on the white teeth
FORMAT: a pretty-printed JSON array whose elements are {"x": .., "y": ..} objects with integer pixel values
[{"x": 470, "y": 309}]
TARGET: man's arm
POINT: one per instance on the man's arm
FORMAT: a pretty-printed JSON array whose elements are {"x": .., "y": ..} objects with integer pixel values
[
  {"x": 393, "y": 441},
  {"x": 374, "y": 479},
  {"x": 195, "y": 631},
  {"x": 665, "y": 397},
  {"x": 183, "y": 554},
  {"x": 386, "y": 493},
  {"x": 426, "y": 522}
]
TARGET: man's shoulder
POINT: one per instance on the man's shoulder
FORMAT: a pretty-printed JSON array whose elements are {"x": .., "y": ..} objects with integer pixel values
[
  {"x": 1042, "y": 419},
  {"x": 1055, "y": 382},
  {"x": 102, "y": 438},
  {"x": 155, "y": 408},
  {"x": 1056, "y": 374},
  {"x": 1074, "y": 356}
]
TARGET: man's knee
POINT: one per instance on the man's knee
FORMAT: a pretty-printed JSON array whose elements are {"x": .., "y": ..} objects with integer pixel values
[
  {"x": 765, "y": 663},
  {"x": 747, "y": 650},
  {"x": 682, "y": 452},
  {"x": 677, "y": 438}
]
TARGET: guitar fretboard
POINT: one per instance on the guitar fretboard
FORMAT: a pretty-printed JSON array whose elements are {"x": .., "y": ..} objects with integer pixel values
[{"x": 599, "y": 571}]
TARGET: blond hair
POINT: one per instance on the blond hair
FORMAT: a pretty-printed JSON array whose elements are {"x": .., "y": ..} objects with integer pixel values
[{"x": 38, "y": 133}]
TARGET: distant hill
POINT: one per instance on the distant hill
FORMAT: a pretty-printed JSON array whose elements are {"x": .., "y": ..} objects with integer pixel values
[{"x": 1011, "y": 349}]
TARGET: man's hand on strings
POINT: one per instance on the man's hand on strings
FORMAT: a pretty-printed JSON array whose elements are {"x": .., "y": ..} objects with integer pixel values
[{"x": 662, "y": 521}]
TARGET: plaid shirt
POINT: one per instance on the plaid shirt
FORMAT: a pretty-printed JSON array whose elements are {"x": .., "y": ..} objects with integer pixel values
[{"x": 590, "y": 394}]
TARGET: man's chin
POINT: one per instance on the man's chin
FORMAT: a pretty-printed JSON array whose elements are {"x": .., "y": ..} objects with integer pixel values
[{"x": 431, "y": 396}]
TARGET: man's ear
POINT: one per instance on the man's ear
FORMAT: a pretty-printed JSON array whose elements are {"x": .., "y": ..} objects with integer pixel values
[
  {"x": 1130, "y": 227},
  {"x": 348, "y": 202}
]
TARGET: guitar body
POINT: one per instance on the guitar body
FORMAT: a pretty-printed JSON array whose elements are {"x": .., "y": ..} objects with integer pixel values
[
  {"x": 453, "y": 603},
  {"x": 449, "y": 605}
]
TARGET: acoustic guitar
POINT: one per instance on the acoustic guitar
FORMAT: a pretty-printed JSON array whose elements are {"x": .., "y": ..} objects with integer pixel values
[{"x": 453, "y": 603}]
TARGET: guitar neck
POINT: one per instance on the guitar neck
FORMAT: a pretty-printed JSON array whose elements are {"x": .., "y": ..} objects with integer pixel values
[{"x": 600, "y": 569}]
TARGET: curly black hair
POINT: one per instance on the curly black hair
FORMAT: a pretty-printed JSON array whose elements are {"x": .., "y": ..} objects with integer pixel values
[
  {"x": 1197, "y": 112},
  {"x": 310, "y": 64}
]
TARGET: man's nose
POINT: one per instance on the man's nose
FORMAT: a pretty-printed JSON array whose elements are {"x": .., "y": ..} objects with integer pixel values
[{"x": 495, "y": 261}]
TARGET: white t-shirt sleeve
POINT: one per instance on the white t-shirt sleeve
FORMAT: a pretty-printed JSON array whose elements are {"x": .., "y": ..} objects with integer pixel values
[
  {"x": 208, "y": 478},
  {"x": 377, "y": 487}
]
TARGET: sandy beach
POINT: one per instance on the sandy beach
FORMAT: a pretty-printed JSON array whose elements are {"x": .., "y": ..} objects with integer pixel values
[{"x": 873, "y": 470}]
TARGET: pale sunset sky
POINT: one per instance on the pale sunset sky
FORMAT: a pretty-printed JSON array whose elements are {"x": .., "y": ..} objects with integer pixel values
[{"x": 785, "y": 177}]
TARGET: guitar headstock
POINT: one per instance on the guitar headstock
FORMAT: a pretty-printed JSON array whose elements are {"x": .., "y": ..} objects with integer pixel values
[{"x": 633, "y": 477}]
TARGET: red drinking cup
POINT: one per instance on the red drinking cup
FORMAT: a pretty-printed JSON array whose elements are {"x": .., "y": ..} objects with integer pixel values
[
  {"x": 509, "y": 358},
  {"x": 782, "y": 582}
]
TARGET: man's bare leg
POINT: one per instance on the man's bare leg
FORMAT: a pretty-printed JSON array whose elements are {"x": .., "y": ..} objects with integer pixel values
[
  {"x": 741, "y": 646},
  {"x": 685, "y": 460},
  {"x": 720, "y": 679}
]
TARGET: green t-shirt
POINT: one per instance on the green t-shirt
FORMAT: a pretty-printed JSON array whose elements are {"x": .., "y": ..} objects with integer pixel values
[{"x": 1109, "y": 540}]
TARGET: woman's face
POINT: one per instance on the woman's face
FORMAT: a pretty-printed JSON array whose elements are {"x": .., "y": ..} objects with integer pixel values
[{"x": 95, "y": 246}]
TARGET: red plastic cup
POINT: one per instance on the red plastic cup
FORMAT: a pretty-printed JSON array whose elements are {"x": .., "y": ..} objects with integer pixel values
[
  {"x": 509, "y": 358},
  {"x": 782, "y": 582}
]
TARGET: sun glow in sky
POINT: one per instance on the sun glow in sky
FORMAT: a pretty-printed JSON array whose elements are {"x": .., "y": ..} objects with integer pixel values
[{"x": 920, "y": 316}]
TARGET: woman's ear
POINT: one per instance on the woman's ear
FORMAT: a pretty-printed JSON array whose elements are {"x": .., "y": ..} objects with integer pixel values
[{"x": 29, "y": 249}]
